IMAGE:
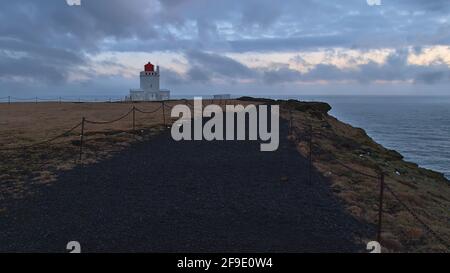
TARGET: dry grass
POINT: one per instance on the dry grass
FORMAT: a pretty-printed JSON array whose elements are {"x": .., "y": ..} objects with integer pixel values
[
  {"x": 22, "y": 124},
  {"x": 26, "y": 123},
  {"x": 426, "y": 192}
]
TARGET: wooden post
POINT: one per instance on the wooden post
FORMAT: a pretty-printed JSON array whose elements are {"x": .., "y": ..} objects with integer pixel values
[
  {"x": 164, "y": 113},
  {"x": 82, "y": 137},
  {"x": 35, "y": 100},
  {"x": 9, "y": 99},
  {"x": 134, "y": 118},
  {"x": 310, "y": 152},
  {"x": 290, "y": 121},
  {"x": 380, "y": 207}
]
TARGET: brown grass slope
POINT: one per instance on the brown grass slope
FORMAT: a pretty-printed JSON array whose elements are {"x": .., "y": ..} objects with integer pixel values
[{"x": 336, "y": 145}]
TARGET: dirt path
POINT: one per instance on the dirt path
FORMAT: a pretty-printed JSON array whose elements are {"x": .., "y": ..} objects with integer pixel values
[{"x": 167, "y": 196}]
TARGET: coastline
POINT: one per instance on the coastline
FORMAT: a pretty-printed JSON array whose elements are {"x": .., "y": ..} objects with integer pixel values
[
  {"x": 415, "y": 126},
  {"x": 342, "y": 152}
]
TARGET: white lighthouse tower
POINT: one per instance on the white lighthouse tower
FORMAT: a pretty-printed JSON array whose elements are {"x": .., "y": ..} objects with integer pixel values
[{"x": 149, "y": 87}]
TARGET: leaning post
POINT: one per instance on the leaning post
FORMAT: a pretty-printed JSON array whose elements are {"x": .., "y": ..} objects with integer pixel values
[
  {"x": 134, "y": 118},
  {"x": 380, "y": 207},
  {"x": 82, "y": 137},
  {"x": 310, "y": 152},
  {"x": 290, "y": 122}
]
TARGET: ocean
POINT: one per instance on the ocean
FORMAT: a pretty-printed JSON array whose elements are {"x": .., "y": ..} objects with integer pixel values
[{"x": 417, "y": 127}]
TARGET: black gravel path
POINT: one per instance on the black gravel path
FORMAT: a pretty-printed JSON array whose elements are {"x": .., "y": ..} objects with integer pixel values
[{"x": 167, "y": 196}]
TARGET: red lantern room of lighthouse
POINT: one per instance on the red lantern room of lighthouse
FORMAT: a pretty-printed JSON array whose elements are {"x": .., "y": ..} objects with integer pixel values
[{"x": 149, "y": 67}]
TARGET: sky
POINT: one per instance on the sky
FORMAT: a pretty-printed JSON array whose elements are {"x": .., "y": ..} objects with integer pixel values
[{"x": 49, "y": 48}]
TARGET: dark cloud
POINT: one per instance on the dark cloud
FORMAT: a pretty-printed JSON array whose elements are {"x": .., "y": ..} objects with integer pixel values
[
  {"x": 432, "y": 77},
  {"x": 290, "y": 44},
  {"x": 198, "y": 74},
  {"x": 217, "y": 65},
  {"x": 172, "y": 78},
  {"x": 45, "y": 41},
  {"x": 281, "y": 75}
]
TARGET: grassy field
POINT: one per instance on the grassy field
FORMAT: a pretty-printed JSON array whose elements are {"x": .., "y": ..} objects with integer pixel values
[{"x": 23, "y": 168}]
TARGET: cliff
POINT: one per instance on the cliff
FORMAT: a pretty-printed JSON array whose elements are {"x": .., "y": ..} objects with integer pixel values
[{"x": 353, "y": 162}]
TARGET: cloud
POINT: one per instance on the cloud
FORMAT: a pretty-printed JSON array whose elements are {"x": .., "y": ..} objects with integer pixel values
[
  {"x": 218, "y": 65},
  {"x": 395, "y": 69},
  {"x": 45, "y": 40},
  {"x": 48, "y": 41}
]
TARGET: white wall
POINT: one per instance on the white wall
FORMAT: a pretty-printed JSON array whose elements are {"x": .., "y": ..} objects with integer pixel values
[{"x": 150, "y": 81}]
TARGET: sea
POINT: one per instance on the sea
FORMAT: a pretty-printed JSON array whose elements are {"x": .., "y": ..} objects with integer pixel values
[{"x": 417, "y": 127}]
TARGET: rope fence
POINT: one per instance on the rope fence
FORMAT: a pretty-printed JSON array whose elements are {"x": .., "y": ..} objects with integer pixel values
[
  {"x": 42, "y": 160},
  {"x": 380, "y": 177},
  {"x": 293, "y": 130},
  {"x": 66, "y": 133},
  {"x": 164, "y": 105},
  {"x": 12, "y": 99},
  {"x": 85, "y": 121},
  {"x": 111, "y": 121}
]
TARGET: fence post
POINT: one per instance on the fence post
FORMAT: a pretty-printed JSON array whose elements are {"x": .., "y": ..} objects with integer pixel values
[
  {"x": 290, "y": 121},
  {"x": 9, "y": 99},
  {"x": 164, "y": 113},
  {"x": 82, "y": 137},
  {"x": 310, "y": 152},
  {"x": 35, "y": 100},
  {"x": 134, "y": 118},
  {"x": 380, "y": 207},
  {"x": 59, "y": 100}
]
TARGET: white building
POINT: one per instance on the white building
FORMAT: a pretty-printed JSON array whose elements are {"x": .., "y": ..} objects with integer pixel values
[{"x": 149, "y": 88}]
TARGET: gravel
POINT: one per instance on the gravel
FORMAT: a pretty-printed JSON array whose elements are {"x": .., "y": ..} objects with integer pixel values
[{"x": 190, "y": 196}]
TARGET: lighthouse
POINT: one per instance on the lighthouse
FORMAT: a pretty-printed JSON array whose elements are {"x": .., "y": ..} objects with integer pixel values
[{"x": 149, "y": 86}]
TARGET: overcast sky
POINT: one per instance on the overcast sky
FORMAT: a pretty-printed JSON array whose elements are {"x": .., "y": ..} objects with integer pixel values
[{"x": 48, "y": 48}]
